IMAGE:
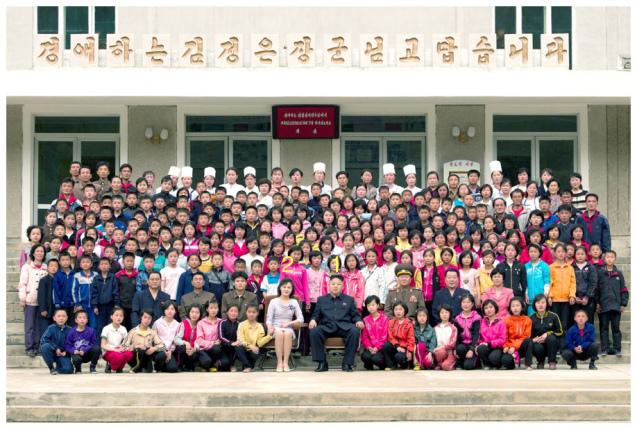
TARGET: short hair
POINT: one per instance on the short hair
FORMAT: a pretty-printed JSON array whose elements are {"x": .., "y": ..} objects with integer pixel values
[
  {"x": 372, "y": 298},
  {"x": 490, "y": 302},
  {"x": 146, "y": 311},
  {"x": 337, "y": 276}
]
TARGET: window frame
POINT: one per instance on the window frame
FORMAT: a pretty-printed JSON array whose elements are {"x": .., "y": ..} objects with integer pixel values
[
  {"x": 77, "y": 139},
  {"x": 548, "y": 24},
  {"x": 229, "y": 139},
  {"x": 382, "y": 139},
  {"x": 62, "y": 22}
]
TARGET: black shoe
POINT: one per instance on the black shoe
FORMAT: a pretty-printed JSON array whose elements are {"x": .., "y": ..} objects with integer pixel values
[
  {"x": 592, "y": 365},
  {"x": 611, "y": 352},
  {"x": 618, "y": 353},
  {"x": 574, "y": 365},
  {"x": 347, "y": 368},
  {"x": 31, "y": 353},
  {"x": 53, "y": 371},
  {"x": 78, "y": 369},
  {"x": 604, "y": 352},
  {"x": 322, "y": 367},
  {"x": 92, "y": 369},
  {"x": 119, "y": 371},
  {"x": 108, "y": 369}
]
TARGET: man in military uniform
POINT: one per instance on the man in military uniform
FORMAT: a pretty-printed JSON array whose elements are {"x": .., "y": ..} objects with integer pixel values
[{"x": 404, "y": 293}]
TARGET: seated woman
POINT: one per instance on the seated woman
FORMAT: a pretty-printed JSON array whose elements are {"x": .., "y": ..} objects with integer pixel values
[
  {"x": 468, "y": 322},
  {"x": 399, "y": 348},
  {"x": 186, "y": 339},
  {"x": 518, "y": 342},
  {"x": 283, "y": 318},
  {"x": 499, "y": 294},
  {"x": 546, "y": 330},
  {"x": 492, "y": 336}
]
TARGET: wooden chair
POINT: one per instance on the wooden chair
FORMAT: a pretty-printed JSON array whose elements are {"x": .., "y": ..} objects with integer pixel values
[{"x": 269, "y": 348}]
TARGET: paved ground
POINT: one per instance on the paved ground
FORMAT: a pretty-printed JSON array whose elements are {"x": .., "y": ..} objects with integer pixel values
[{"x": 608, "y": 377}]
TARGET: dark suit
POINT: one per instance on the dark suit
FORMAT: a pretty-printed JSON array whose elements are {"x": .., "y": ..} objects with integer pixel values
[
  {"x": 335, "y": 317},
  {"x": 443, "y": 296}
]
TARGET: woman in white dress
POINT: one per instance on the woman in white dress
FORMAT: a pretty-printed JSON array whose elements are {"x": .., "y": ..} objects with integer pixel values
[{"x": 283, "y": 318}]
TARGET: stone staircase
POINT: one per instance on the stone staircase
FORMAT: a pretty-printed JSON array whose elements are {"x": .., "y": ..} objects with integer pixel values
[{"x": 16, "y": 358}]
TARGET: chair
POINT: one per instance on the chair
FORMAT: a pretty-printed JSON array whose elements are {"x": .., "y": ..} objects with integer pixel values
[{"x": 269, "y": 348}]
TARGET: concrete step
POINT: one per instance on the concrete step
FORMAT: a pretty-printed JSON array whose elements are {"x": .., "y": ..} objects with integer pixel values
[
  {"x": 313, "y": 413},
  {"x": 20, "y": 360}
]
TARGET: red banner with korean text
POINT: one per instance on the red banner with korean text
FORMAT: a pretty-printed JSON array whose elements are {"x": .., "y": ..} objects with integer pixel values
[{"x": 305, "y": 122}]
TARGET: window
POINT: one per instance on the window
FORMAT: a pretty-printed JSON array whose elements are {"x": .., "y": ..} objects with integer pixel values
[
  {"x": 76, "y": 20},
  {"x": 371, "y": 141},
  {"x": 535, "y": 20},
  {"x": 228, "y": 141},
  {"x": 60, "y": 140},
  {"x": 536, "y": 142}
]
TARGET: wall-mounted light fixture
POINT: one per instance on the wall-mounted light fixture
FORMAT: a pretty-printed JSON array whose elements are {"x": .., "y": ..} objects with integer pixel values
[
  {"x": 156, "y": 138},
  {"x": 463, "y": 136}
]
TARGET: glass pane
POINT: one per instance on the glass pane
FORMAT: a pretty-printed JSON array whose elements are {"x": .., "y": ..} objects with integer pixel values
[
  {"x": 75, "y": 22},
  {"x": 402, "y": 152},
  {"x": 561, "y": 22},
  {"x": 77, "y": 124},
  {"x": 504, "y": 23},
  {"x": 47, "y": 20},
  {"x": 252, "y": 153},
  {"x": 533, "y": 22},
  {"x": 54, "y": 160},
  {"x": 361, "y": 155},
  {"x": 199, "y": 124},
  {"x": 557, "y": 154},
  {"x": 41, "y": 216},
  {"x": 539, "y": 123},
  {"x": 104, "y": 22},
  {"x": 93, "y": 152},
  {"x": 207, "y": 153},
  {"x": 376, "y": 124},
  {"x": 513, "y": 155}
]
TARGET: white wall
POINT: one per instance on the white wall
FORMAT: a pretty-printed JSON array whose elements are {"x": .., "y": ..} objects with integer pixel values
[{"x": 600, "y": 34}]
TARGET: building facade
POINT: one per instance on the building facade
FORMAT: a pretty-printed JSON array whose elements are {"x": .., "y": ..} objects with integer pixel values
[{"x": 428, "y": 114}]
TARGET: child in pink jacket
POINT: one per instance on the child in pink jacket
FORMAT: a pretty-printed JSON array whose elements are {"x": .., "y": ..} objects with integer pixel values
[
  {"x": 493, "y": 334},
  {"x": 354, "y": 284},
  {"x": 374, "y": 335},
  {"x": 446, "y": 337}
]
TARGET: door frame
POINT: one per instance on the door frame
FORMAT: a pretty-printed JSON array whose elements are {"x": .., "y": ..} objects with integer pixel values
[
  {"x": 382, "y": 139},
  {"x": 77, "y": 140},
  {"x": 535, "y": 138}
]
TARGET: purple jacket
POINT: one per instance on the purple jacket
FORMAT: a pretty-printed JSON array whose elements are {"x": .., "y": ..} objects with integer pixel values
[
  {"x": 494, "y": 334},
  {"x": 82, "y": 341}
]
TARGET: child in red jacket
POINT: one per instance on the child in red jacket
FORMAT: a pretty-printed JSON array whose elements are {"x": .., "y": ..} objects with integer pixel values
[{"x": 399, "y": 348}]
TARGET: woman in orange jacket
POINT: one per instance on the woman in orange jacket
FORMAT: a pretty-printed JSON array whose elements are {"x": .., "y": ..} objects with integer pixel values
[
  {"x": 563, "y": 288},
  {"x": 518, "y": 342},
  {"x": 399, "y": 348}
]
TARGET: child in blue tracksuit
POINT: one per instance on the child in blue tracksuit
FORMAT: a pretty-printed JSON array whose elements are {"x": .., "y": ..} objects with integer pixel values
[
  {"x": 104, "y": 294},
  {"x": 62, "y": 286},
  {"x": 81, "y": 291},
  {"x": 52, "y": 345},
  {"x": 538, "y": 276},
  {"x": 580, "y": 342}
]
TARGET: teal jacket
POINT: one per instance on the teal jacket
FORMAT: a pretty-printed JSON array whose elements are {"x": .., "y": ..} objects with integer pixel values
[
  {"x": 427, "y": 336},
  {"x": 536, "y": 278}
]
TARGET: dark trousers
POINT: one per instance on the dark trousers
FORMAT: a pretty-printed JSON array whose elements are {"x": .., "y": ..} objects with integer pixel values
[
  {"x": 127, "y": 320},
  {"x": 369, "y": 360},
  {"x": 247, "y": 357},
  {"x": 588, "y": 308},
  {"x": 61, "y": 363},
  {"x": 563, "y": 310},
  {"x": 319, "y": 334},
  {"x": 227, "y": 357},
  {"x": 613, "y": 317},
  {"x": 186, "y": 362},
  {"x": 92, "y": 356},
  {"x": 70, "y": 313},
  {"x": 546, "y": 349},
  {"x": 103, "y": 318},
  {"x": 526, "y": 351},
  {"x": 571, "y": 357},
  {"x": 490, "y": 356},
  {"x": 393, "y": 357},
  {"x": 31, "y": 329},
  {"x": 43, "y": 323},
  {"x": 208, "y": 358},
  {"x": 464, "y": 362},
  {"x": 429, "y": 305},
  {"x": 162, "y": 366},
  {"x": 142, "y": 361},
  {"x": 304, "y": 344}
]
